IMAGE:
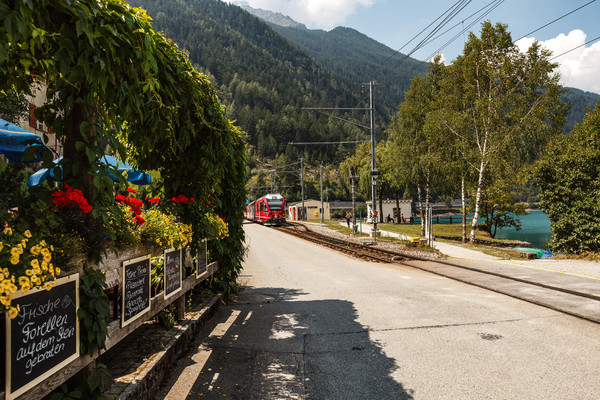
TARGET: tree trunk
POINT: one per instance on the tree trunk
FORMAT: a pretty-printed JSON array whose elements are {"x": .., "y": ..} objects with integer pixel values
[
  {"x": 464, "y": 210},
  {"x": 84, "y": 179},
  {"x": 477, "y": 202},
  {"x": 381, "y": 204},
  {"x": 420, "y": 198}
]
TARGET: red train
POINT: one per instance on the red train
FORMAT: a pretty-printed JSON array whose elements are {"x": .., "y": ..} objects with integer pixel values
[{"x": 268, "y": 210}]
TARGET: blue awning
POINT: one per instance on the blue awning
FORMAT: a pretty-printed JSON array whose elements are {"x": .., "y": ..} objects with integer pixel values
[
  {"x": 11, "y": 142},
  {"x": 134, "y": 176}
]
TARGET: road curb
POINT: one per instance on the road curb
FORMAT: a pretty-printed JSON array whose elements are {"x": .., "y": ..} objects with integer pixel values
[{"x": 147, "y": 377}]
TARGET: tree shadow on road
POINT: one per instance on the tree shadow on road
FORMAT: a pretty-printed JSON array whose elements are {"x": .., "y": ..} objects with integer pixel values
[{"x": 282, "y": 345}]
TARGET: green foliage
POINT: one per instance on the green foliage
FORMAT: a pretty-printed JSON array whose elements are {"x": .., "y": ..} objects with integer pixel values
[
  {"x": 14, "y": 107},
  {"x": 500, "y": 208},
  {"x": 90, "y": 390},
  {"x": 105, "y": 67},
  {"x": 94, "y": 309},
  {"x": 568, "y": 176},
  {"x": 483, "y": 118},
  {"x": 12, "y": 193},
  {"x": 166, "y": 317}
]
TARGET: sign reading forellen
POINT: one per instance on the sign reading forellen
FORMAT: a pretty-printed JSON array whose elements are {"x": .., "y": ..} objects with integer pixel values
[{"x": 43, "y": 337}]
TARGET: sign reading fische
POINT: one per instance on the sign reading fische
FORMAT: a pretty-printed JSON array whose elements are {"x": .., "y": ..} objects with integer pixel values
[{"x": 44, "y": 337}]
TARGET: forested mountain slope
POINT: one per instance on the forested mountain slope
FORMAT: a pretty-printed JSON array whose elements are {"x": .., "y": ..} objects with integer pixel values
[
  {"x": 580, "y": 101},
  {"x": 359, "y": 59},
  {"x": 262, "y": 78}
]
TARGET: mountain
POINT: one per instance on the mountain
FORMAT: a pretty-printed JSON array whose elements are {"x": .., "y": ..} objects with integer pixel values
[
  {"x": 580, "y": 102},
  {"x": 263, "y": 80},
  {"x": 273, "y": 17},
  {"x": 355, "y": 57}
]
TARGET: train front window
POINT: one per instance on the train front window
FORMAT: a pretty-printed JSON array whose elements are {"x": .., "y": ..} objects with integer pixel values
[{"x": 275, "y": 204}]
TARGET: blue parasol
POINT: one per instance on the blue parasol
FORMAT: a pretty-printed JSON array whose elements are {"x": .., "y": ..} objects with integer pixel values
[
  {"x": 11, "y": 142},
  {"x": 134, "y": 176}
]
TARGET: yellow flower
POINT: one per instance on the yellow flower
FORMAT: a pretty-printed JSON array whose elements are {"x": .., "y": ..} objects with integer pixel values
[
  {"x": 14, "y": 260},
  {"x": 27, "y": 234},
  {"x": 57, "y": 271},
  {"x": 1, "y": 246},
  {"x": 8, "y": 231},
  {"x": 5, "y": 300},
  {"x": 48, "y": 285},
  {"x": 12, "y": 312},
  {"x": 35, "y": 250},
  {"x": 36, "y": 280},
  {"x": 25, "y": 287},
  {"x": 35, "y": 263}
]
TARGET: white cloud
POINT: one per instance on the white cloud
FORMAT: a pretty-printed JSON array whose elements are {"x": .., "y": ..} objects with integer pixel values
[
  {"x": 579, "y": 68},
  {"x": 323, "y": 14}
]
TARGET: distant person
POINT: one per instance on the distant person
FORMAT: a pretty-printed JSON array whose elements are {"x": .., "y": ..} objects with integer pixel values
[
  {"x": 402, "y": 218},
  {"x": 388, "y": 218},
  {"x": 348, "y": 219}
]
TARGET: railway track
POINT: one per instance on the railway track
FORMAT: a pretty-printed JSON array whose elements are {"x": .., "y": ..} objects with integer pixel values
[
  {"x": 472, "y": 276},
  {"x": 353, "y": 249}
]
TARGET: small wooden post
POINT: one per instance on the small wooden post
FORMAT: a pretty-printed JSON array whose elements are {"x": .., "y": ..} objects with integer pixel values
[{"x": 180, "y": 307}]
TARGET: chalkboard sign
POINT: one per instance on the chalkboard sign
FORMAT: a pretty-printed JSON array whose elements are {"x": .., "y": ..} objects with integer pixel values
[
  {"x": 44, "y": 337},
  {"x": 136, "y": 289},
  {"x": 173, "y": 277},
  {"x": 201, "y": 259}
]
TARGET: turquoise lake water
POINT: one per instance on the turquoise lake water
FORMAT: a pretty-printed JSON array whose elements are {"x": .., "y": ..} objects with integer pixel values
[{"x": 535, "y": 229}]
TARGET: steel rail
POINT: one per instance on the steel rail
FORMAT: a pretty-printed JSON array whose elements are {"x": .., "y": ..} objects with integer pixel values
[{"x": 358, "y": 250}]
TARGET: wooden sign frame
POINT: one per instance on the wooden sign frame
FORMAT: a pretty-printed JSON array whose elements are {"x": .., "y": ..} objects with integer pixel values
[
  {"x": 180, "y": 283},
  {"x": 204, "y": 244},
  {"x": 123, "y": 299},
  {"x": 74, "y": 278}
]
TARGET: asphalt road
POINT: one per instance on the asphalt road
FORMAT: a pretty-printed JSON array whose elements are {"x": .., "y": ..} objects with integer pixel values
[{"x": 315, "y": 324}]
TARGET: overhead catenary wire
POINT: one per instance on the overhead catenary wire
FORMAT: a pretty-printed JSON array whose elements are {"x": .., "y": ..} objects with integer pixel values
[
  {"x": 575, "y": 48},
  {"x": 493, "y": 7},
  {"x": 557, "y": 19}
]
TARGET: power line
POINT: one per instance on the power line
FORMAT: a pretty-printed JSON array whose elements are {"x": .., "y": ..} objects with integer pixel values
[
  {"x": 494, "y": 6},
  {"x": 454, "y": 10},
  {"x": 575, "y": 48},
  {"x": 557, "y": 19},
  {"x": 343, "y": 142}
]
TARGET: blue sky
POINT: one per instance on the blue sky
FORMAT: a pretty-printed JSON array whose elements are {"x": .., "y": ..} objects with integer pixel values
[{"x": 395, "y": 22}]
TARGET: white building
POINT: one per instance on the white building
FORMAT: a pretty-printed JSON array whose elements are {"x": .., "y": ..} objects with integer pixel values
[
  {"x": 312, "y": 209},
  {"x": 390, "y": 212}
]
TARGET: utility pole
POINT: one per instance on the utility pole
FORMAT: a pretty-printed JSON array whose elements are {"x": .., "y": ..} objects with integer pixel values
[
  {"x": 371, "y": 128},
  {"x": 352, "y": 173},
  {"x": 302, "y": 180},
  {"x": 322, "y": 209},
  {"x": 374, "y": 172}
]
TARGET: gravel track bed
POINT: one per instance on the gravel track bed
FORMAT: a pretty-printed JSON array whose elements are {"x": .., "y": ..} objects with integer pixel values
[{"x": 385, "y": 245}]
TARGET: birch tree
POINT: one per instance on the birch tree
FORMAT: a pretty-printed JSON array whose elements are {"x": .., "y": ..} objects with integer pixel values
[{"x": 510, "y": 102}]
